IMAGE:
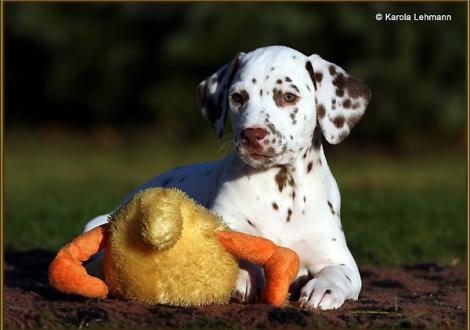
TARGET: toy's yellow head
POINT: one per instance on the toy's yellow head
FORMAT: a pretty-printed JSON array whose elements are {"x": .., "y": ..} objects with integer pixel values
[{"x": 163, "y": 249}]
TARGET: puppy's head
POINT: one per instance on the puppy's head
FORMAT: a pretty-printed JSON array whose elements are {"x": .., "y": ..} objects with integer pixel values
[{"x": 276, "y": 96}]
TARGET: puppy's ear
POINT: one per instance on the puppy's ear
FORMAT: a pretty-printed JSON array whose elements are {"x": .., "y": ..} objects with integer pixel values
[
  {"x": 340, "y": 99},
  {"x": 212, "y": 94}
]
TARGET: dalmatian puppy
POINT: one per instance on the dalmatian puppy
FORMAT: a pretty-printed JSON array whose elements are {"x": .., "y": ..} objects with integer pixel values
[{"x": 277, "y": 183}]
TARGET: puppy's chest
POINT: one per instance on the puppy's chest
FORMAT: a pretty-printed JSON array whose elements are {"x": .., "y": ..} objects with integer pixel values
[{"x": 281, "y": 205}]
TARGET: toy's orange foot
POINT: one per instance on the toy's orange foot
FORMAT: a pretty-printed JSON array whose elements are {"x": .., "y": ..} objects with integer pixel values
[
  {"x": 280, "y": 264},
  {"x": 280, "y": 270},
  {"x": 66, "y": 272},
  {"x": 69, "y": 277}
]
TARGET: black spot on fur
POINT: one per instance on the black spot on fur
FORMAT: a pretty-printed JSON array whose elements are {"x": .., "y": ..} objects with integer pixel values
[
  {"x": 288, "y": 79},
  {"x": 309, "y": 68},
  {"x": 250, "y": 223},
  {"x": 253, "y": 80},
  {"x": 294, "y": 87},
  {"x": 275, "y": 206},
  {"x": 331, "y": 208},
  {"x": 317, "y": 138},
  {"x": 309, "y": 167}
]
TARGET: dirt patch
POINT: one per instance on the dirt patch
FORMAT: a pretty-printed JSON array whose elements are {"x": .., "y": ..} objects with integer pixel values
[{"x": 417, "y": 296}]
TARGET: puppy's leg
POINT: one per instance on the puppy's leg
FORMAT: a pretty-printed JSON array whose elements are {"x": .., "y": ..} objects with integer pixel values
[
  {"x": 98, "y": 221},
  {"x": 250, "y": 283},
  {"x": 330, "y": 287}
]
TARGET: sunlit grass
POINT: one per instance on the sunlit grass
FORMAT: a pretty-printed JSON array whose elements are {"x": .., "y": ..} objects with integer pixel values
[{"x": 394, "y": 209}]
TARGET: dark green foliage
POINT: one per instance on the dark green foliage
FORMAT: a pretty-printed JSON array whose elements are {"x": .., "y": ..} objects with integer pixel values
[{"x": 108, "y": 64}]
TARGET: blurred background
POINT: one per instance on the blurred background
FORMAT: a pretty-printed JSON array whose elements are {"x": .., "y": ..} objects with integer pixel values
[{"x": 101, "y": 97}]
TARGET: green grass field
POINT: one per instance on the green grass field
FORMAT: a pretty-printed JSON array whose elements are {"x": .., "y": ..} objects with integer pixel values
[{"x": 395, "y": 210}]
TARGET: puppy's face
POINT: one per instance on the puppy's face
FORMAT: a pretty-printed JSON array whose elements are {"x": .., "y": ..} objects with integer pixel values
[
  {"x": 272, "y": 107},
  {"x": 276, "y": 96}
]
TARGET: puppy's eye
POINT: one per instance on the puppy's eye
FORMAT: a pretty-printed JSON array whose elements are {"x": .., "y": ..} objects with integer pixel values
[
  {"x": 237, "y": 98},
  {"x": 289, "y": 97}
]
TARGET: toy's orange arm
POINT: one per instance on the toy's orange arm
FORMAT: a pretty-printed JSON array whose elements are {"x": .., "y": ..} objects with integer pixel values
[
  {"x": 66, "y": 272},
  {"x": 280, "y": 264}
]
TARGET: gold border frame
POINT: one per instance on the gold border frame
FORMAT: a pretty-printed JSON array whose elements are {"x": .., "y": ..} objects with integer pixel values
[{"x": 2, "y": 99}]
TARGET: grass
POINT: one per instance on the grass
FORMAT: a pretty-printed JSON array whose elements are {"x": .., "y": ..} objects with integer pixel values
[{"x": 395, "y": 210}]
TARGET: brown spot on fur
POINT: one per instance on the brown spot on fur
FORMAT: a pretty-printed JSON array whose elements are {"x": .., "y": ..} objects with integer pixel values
[
  {"x": 318, "y": 76},
  {"x": 331, "y": 208},
  {"x": 354, "y": 87},
  {"x": 339, "y": 121},
  {"x": 321, "y": 111},
  {"x": 347, "y": 103},
  {"x": 309, "y": 68},
  {"x": 293, "y": 195},
  {"x": 289, "y": 214},
  {"x": 281, "y": 178},
  {"x": 332, "y": 69},
  {"x": 277, "y": 97},
  {"x": 275, "y": 206},
  {"x": 309, "y": 167},
  {"x": 250, "y": 223},
  {"x": 305, "y": 199},
  {"x": 288, "y": 79},
  {"x": 279, "y": 81},
  {"x": 339, "y": 92}
]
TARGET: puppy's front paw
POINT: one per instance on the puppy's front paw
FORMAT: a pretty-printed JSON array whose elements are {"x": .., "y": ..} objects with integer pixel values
[
  {"x": 321, "y": 293},
  {"x": 248, "y": 286}
]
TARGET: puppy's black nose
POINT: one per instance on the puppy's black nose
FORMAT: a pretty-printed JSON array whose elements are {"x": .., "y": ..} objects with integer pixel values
[{"x": 253, "y": 136}]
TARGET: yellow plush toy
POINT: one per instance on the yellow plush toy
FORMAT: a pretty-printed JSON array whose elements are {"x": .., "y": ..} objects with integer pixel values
[{"x": 162, "y": 248}]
